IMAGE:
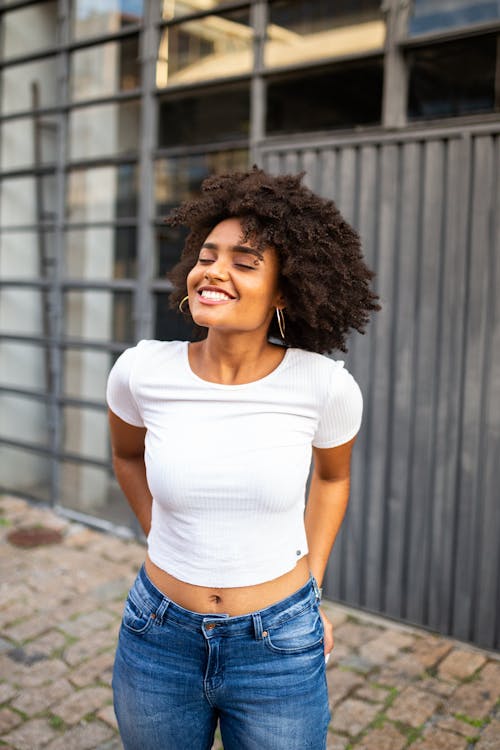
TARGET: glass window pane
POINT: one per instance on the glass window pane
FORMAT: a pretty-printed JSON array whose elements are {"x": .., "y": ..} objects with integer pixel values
[
  {"x": 101, "y": 253},
  {"x": 22, "y": 365},
  {"x": 24, "y": 471},
  {"x": 29, "y": 30},
  {"x": 102, "y": 194},
  {"x": 85, "y": 432},
  {"x": 174, "y": 8},
  {"x": 21, "y": 311},
  {"x": 21, "y": 204},
  {"x": 105, "y": 69},
  {"x": 179, "y": 177},
  {"x": 21, "y": 140},
  {"x": 205, "y": 49},
  {"x": 455, "y": 78},
  {"x": 170, "y": 325},
  {"x": 24, "y": 419},
  {"x": 433, "y": 15},
  {"x": 104, "y": 130},
  {"x": 169, "y": 244},
  {"x": 213, "y": 117},
  {"x": 26, "y": 255},
  {"x": 306, "y": 102},
  {"x": 97, "y": 315},
  {"x": 89, "y": 489},
  {"x": 16, "y": 85},
  {"x": 93, "y": 17},
  {"x": 301, "y": 31},
  {"x": 86, "y": 372}
]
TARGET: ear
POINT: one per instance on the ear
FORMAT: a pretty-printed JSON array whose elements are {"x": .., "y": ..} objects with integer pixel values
[{"x": 279, "y": 301}]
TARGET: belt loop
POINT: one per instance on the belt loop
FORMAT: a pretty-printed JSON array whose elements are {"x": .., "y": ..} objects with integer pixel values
[
  {"x": 160, "y": 612},
  {"x": 316, "y": 588},
  {"x": 257, "y": 625}
]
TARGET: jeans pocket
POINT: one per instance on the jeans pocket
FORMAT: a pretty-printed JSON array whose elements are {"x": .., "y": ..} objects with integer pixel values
[
  {"x": 299, "y": 634},
  {"x": 136, "y": 618}
]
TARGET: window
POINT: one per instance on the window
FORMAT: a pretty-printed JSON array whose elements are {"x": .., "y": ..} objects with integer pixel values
[
  {"x": 343, "y": 96},
  {"x": 434, "y": 15},
  {"x": 105, "y": 69},
  {"x": 300, "y": 31},
  {"x": 205, "y": 116},
  {"x": 205, "y": 49},
  {"x": 451, "y": 79},
  {"x": 94, "y": 17}
]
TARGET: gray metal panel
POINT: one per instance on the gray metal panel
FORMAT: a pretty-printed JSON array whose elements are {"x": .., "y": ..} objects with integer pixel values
[{"x": 420, "y": 539}]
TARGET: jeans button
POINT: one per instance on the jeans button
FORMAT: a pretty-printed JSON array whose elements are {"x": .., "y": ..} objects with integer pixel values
[{"x": 210, "y": 626}]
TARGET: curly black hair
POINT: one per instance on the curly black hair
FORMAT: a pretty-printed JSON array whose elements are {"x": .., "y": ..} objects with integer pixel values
[{"x": 322, "y": 276}]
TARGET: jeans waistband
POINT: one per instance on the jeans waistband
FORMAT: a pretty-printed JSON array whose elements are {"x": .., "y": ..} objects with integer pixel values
[{"x": 221, "y": 624}]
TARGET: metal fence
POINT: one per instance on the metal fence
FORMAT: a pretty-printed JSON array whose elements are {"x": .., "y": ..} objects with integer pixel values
[{"x": 421, "y": 538}]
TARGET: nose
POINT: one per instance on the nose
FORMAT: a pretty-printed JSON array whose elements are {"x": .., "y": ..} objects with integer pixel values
[{"x": 216, "y": 270}]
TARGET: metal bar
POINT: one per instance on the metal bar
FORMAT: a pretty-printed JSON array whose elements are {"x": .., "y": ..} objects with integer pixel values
[
  {"x": 258, "y": 85},
  {"x": 80, "y": 104},
  {"x": 143, "y": 307},
  {"x": 395, "y": 87},
  {"x": 64, "y": 343},
  {"x": 71, "y": 46},
  {"x": 26, "y": 283},
  {"x": 56, "y": 456},
  {"x": 96, "y": 523},
  {"x": 38, "y": 395},
  {"x": 43, "y": 260},
  {"x": 208, "y": 148},
  {"x": 207, "y": 85},
  {"x": 377, "y": 136}
]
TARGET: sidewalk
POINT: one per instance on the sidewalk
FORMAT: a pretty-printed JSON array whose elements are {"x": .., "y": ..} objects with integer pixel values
[{"x": 391, "y": 686}]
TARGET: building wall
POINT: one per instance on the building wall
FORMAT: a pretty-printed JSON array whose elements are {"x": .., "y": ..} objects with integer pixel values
[{"x": 133, "y": 106}]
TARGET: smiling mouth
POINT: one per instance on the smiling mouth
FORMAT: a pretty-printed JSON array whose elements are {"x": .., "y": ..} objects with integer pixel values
[{"x": 209, "y": 294}]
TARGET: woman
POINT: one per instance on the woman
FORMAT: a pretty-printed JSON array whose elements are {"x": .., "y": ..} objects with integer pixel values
[{"x": 212, "y": 442}]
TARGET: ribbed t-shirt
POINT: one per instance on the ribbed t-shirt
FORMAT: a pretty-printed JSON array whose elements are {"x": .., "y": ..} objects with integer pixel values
[{"x": 227, "y": 465}]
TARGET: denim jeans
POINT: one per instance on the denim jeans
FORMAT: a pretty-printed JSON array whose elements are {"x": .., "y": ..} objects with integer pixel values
[{"x": 262, "y": 675}]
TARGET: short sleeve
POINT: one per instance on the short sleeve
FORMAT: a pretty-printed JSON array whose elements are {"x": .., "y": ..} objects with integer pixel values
[
  {"x": 119, "y": 396},
  {"x": 340, "y": 418}
]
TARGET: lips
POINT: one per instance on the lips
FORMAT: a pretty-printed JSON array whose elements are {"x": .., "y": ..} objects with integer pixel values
[{"x": 214, "y": 292}]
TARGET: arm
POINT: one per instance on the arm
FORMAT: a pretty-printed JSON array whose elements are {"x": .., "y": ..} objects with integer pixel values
[
  {"x": 127, "y": 444},
  {"x": 325, "y": 510}
]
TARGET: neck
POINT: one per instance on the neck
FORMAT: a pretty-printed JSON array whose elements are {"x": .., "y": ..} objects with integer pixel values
[{"x": 232, "y": 359}]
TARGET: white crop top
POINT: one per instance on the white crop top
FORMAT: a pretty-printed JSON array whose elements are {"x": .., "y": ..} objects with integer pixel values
[{"x": 227, "y": 465}]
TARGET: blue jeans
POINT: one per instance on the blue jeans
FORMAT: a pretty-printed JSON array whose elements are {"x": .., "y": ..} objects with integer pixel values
[{"x": 262, "y": 675}]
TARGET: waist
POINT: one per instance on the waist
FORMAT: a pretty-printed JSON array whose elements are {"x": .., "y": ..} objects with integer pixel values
[
  {"x": 232, "y": 601},
  {"x": 227, "y": 624}
]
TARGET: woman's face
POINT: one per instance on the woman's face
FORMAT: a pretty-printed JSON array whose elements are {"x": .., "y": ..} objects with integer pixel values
[{"x": 233, "y": 287}]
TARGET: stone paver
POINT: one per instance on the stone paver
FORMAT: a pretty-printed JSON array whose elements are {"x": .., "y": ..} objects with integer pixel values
[
  {"x": 60, "y": 613},
  {"x": 489, "y": 739},
  {"x": 383, "y": 738},
  {"x": 83, "y": 737},
  {"x": 31, "y": 735},
  {"x": 81, "y": 703},
  {"x": 413, "y": 707},
  {"x": 436, "y": 739},
  {"x": 352, "y": 716},
  {"x": 460, "y": 664}
]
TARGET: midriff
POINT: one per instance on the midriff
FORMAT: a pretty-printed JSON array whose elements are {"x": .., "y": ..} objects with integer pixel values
[{"x": 231, "y": 601}]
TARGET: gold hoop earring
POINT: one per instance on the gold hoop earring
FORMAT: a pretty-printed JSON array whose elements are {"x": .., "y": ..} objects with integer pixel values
[
  {"x": 182, "y": 302},
  {"x": 281, "y": 322}
]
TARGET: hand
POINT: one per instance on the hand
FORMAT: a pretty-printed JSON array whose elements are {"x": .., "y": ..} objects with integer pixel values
[{"x": 328, "y": 628}]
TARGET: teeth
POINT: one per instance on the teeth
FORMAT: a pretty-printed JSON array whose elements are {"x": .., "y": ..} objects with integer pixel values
[{"x": 209, "y": 294}]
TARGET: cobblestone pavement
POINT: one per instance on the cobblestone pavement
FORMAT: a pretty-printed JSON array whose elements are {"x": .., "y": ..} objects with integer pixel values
[{"x": 391, "y": 686}]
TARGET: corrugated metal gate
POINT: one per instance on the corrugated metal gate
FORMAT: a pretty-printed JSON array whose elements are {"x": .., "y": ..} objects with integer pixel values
[{"x": 421, "y": 541}]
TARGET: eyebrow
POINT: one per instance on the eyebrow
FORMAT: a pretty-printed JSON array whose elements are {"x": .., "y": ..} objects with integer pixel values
[{"x": 235, "y": 248}]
